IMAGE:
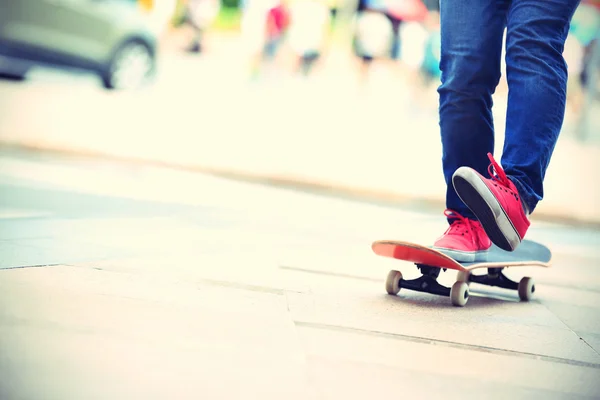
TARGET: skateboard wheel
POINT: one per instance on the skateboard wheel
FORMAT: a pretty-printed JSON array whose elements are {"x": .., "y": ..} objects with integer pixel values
[
  {"x": 526, "y": 288},
  {"x": 392, "y": 283},
  {"x": 459, "y": 294},
  {"x": 463, "y": 276}
]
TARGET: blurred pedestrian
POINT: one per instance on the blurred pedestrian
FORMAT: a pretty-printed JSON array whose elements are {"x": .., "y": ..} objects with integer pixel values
[
  {"x": 380, "y": 26},
  {"x": 309, "y": 22},
  {"x": 400, "y": 12},
  {"x": 200, "y": 14},
  {"x": 373, "y": 37},
  {"x": 585, "y": 28},
  {"x": 264, "y": 23},
  {"x": 431, "y": 62}
]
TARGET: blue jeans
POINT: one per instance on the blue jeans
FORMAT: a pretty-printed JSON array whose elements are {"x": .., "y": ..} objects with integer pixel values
[{"x": 536, "y": 72}]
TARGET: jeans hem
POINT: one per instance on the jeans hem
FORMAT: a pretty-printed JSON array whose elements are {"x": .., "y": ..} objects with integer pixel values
[{"x": 530, "y": 200}]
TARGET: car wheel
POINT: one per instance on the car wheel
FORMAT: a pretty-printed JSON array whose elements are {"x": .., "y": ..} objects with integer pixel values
[{"x": 130, "y": 67}]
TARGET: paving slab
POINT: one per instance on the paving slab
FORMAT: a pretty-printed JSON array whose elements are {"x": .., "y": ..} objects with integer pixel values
[
  {"x": 83, "y": 333},
  {"x": 355, "y": 365},
  {"x": 485, "y": 322}
]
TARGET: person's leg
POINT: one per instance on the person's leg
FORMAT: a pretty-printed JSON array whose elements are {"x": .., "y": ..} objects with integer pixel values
[
  {"x": 537, "y": 81},
  {"x": 471, "y": 49}
]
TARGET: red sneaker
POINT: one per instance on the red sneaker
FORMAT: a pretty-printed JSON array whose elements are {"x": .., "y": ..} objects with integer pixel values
[
  {"x": 464, "y": 240},
  {"x": 495, "y": 202}
]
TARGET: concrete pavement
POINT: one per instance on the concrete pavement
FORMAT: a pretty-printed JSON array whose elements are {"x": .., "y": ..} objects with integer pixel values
[
  {"x": 169, "y": 284},
  {"x": 325, "y": 133}
]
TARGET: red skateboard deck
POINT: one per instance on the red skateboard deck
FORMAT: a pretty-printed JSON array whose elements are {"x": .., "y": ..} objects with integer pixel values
[{"x": 431, "y": 262}]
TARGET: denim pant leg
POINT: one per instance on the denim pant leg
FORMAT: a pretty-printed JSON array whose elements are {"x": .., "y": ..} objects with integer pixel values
[
  {"x": 471, "y": 50},
  {"x": 537, "y": 79}
]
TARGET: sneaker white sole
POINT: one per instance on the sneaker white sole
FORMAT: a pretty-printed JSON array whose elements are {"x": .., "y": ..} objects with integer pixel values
[
  {"x": 473, "y": 191},
  {"x": 463, "y": 256}
]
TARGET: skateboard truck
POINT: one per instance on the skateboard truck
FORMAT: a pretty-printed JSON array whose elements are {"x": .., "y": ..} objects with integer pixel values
[
  {"x": 495, "y": 277},
  {"x": 427, "y": 282}
]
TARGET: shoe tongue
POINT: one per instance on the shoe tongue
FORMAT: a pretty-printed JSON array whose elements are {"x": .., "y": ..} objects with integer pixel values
[{"x": 458, "y": 225}]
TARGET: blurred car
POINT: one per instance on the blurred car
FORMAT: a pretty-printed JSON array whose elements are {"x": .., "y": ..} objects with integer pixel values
[{"x": 111, "y": 38}]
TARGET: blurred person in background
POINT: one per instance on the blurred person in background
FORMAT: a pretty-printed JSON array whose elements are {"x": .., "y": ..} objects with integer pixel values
[
  {"x": 585, "y": 29},
  {"x": 431, "y": 62},
  {"x": 200, "y": 14},
  {"x": 414, "y": 42},
  {"x": 373, "y": 36},
  {"x": 400, "y": 12},
  {"x": 264, "y": 23},
  {"x": 488, "y": 203},
  {"x": 414, "y": 36},
  {"x": 309, "y": 23},
  {"x": 429, "y": 71},
  {"x": 584, "y": 88}
]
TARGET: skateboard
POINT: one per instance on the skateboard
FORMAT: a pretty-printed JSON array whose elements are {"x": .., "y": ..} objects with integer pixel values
[{"x": 431, "y": 262}]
